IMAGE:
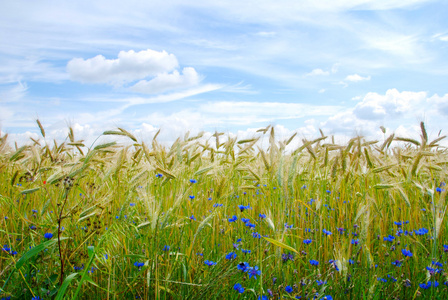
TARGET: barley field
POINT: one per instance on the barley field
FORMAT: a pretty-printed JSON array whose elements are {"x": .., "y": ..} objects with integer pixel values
[{"x": 224, "y": 218}]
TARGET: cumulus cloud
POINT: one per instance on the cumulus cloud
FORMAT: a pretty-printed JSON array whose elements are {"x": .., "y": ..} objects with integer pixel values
[
  {"x": 318, "y": 72},
  {"x": 167, "y": 81},
  {"x": 356, "y": 78},
  {"x": 128, "y": 67},
  {"x": 391, "y": 105}
]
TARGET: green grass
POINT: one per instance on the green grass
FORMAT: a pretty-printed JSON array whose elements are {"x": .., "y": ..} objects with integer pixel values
[{"x": 121, "y": 204}]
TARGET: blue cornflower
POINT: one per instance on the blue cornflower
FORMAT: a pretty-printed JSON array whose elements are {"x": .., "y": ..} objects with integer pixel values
[
  {"x": 264, "y": 297},
  {"x": 246, "y": 251},
  {"x": 34, "y": 210},
  {"x": 131, "y": 204},
  {"x": 242, "y": 207},
  {"x": 250, "y": 225},
  {"x": 231, "y": 255},
  {"x": 389, "y": 238},
  {"x": 288, "y": 226},
  {"x": 406, "y": 252},
  {"x": 262, "y": 216},
  {"x": 435, "y": 263},
  {"x": 245, "y": 220},
  {"x": 36, "y": 298},
  {"x": 139, "y": 264},
  {"x": 191, "y": 197},
  {"x": 288, "y": 289},
  {"x": 429, "y": 284},
  {"x": 314, "y": 262},
  {"x": 166, "y": 248},
  {"x": 254, "y": 272},
  {"x": 287, "y": 256},
  {"x": 243, "y": 266},
  {"x": 327, "y": 232},
  {"x": 238, "y": 287},
  {"x": 445, "y": 248},
  {"x": 6, "y": 248},
  {"x": 209, "y": 263},
  {"x": 233, "y": 219},
  {"x": 256, "y": 235},
  {"x": 438, "y": 190},
  {"x": 192, "y": 218},
  {"x": 320, "y": 282},
  {"x": 421, "y": 231},
  {"x": 159, "y": 175},
  {"x": 355, "y": 241},
  {"x": 397, "y": 263},
  {"x": 307, "y": 241},
  {"x": 351, "y": 261},
  {"x": 193, "y": 180},
  {"x": 327, "y": 297},
  {"x": 48, "y": 235}
]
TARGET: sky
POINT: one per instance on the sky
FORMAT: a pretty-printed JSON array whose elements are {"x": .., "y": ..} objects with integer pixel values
[{"x": 344, "y": 66}]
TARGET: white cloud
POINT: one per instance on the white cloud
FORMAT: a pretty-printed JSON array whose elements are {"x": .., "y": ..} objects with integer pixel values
[
  {"x": 128, "y": 67},
  {"x": 393, "y": 104},
  {"x": 318, "y": 72},
  {"x": 356, "y": 78},
  {"x": 164, "y": 81}
]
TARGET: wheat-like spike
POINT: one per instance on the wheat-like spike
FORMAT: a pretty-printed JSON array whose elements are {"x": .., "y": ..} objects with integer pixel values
[
  {"x": 387, "y": 141},
  {"x": 42, "y": 131}
]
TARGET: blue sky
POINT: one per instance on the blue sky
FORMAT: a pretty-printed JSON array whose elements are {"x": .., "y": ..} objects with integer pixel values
[{"x": 346, "y": 67}]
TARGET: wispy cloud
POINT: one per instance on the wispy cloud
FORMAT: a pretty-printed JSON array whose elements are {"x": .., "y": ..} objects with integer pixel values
[{"x": 356, "y": 78}]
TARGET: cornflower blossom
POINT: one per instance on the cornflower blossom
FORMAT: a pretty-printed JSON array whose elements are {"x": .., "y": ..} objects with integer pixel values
[
  {"x": 389, "y": 238},
  {"x": 406, "y": 252},
  {"x": 327, "y": 232},
  {"x": 421, "y": 231},
  {"x": 233, "y": 219},
  {"x": 250, "y": 225},
  {"x": 287, "y": 256},
  {"x": 288, "y": 289},
  {"x": 209, "y": 263},
  {"x": 139, "y": 264},
  {"x": 262, "y": 216},
  {"x": 307, "y": 241},
  {"x": 320, "y": 282},
  {"x": 193, "y": 180},
  {"x": 246, "y": 251},
  {"x": 397, "y": 263},
  {"x": 192, "y": 218},
  {"x": 254, "y": 272},
  {"x": 242, "y": 207},
  {"x": 191, "y": 197},
  {"x": 244, "y": 266},
  {"x": 314, "y": 262},
  {"x": 355, "y": 241},
  {"x": 256, "y": 235},
  {"x": 166, "y": 248},
  {"x": 231, "y": 255},
  {"x": 429, "y": 284},
  {"x": 159, "y": 175},
  {"x": 48, "y": 235},
  {"x": 239, "y": 288}
]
